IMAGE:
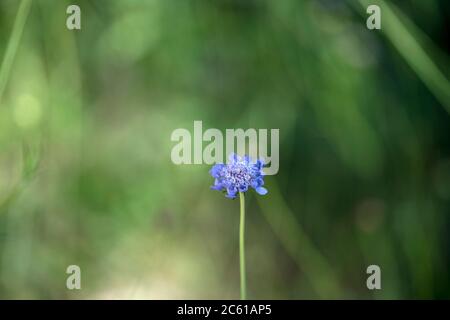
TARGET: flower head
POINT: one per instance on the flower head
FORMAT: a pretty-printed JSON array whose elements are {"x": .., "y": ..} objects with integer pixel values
[{"x": 238, "y": 175}]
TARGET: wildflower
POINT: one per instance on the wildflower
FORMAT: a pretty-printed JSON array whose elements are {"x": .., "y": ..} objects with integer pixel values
[{"x": 238, "y": 176}]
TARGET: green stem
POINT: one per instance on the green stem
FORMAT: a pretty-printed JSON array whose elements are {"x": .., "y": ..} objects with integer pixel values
[{"x": 241, "y": 247}]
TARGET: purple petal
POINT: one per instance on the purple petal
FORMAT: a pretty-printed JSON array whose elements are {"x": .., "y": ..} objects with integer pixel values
[
  {"x": 215, "y": 171},
  {"x": 233, "y": 157},
  {"x": 243, "y": 188},
  {"x": 231, "y": 192}
]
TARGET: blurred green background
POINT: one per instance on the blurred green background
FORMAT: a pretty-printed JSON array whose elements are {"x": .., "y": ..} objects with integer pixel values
[{"x": 85, "y": 170}]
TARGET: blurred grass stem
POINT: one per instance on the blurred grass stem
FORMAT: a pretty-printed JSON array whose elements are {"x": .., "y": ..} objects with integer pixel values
[{"x": 241, "y": 247}]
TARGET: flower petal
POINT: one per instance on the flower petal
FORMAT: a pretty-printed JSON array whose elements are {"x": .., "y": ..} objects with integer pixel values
[
  {"x": 231, "y": 192},
  {"x": 233, "y": 157},
  {"x": 215, "y": 171},
  {"x": 243, "y": 188}
]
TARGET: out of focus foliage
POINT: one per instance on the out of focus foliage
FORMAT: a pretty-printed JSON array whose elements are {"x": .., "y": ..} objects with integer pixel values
[{"x": 85, "y": 170}]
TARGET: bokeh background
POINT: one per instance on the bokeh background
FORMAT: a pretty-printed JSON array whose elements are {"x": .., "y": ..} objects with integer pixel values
[{"x": 85, "y": 170}]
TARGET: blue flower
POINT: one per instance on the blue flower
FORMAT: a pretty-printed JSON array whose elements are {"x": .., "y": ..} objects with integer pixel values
[{"x": 238, "y": 175}]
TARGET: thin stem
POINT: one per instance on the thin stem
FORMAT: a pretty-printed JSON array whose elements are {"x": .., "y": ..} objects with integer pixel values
[{"x": 241, "y": 247}]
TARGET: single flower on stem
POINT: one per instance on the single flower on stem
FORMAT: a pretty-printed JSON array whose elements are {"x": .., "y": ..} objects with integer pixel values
[{"x": 238, "y": 176}]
